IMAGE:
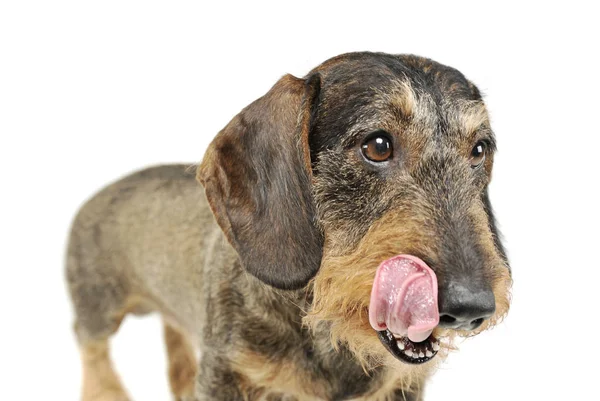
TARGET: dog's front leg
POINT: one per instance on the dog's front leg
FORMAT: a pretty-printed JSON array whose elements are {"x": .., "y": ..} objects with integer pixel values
[{"x": 216, "y": 381}]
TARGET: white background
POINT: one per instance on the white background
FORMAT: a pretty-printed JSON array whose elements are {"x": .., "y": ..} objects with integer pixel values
[{"x": 92, "y": 90}]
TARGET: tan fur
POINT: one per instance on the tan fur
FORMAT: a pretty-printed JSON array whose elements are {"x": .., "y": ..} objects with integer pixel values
[
  {"x": 472, "y": 117},
  {"x": 270, "y": 378},
  {"x": 402, "y": 98},
  {"x": 100, "y": 382},
  {"x": 342, "y": 288},
  {"x": 183, "y": 366}
]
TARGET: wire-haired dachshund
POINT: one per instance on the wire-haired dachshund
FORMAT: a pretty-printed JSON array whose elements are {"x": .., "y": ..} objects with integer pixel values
[{"x": 341, "y": 239}]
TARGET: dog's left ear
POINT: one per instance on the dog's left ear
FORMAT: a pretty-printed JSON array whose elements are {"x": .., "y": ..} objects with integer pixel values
[{"x": 257, "y": 177}]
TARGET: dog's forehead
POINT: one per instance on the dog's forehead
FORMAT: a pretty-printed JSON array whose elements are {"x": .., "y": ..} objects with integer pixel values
[{"x": 422, "y": 100}]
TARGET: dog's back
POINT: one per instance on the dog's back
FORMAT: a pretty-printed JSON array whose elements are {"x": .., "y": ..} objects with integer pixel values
[
  {"x": 127, "y": 241},
  {"x": 132, "y": 249}
]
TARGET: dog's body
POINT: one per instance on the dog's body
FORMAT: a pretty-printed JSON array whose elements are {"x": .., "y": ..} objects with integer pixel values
[
  {"x": 268, "y": 273},
  {"x": 148, "y": 230},
  {"x": 122, "y": 260}
]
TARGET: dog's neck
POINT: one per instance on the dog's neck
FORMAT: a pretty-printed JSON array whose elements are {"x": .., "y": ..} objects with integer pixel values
[{"x": 274, "y": 328}]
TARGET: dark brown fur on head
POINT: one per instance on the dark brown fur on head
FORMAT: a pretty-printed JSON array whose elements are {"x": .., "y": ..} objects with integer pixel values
[
  {"x": 305, "y": 210},
  {"x": 427, "y": 201}
]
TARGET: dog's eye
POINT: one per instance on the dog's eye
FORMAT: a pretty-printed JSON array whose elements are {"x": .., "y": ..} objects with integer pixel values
[
  {"x": 377, "y": 148},
  {"x": 478, "y": 154}
]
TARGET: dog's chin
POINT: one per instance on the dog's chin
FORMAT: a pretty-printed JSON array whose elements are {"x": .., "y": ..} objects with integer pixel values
[
  {"x": 407, "y": 351},
  {"x": 436, "y": 346}
]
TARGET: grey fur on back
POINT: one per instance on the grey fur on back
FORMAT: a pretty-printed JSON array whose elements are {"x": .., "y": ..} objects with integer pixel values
[{"x": 146, "y": 234}]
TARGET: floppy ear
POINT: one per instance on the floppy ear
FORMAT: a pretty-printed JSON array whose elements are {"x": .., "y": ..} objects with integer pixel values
[{"x": 257, "y": 178}]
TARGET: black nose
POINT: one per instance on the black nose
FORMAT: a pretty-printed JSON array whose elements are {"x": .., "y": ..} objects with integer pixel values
[{"x": 465, "y": 308}]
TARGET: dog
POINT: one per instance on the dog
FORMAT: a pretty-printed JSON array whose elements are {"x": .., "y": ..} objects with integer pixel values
[{"x": 343, "y": 239}]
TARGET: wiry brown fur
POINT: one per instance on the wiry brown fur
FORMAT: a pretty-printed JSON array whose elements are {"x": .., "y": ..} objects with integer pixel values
[
  {"x": 183, "y": 366},
  {"x": 277, "y": 377},
  {"x": 268, "y": 271},
  {"x": 342, "y": 288}
]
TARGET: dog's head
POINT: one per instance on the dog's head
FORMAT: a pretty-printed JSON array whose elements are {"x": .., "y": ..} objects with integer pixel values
[{"x": 366, "y": 182}]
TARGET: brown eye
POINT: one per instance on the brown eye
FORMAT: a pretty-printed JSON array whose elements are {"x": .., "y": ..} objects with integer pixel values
[
  {"x": 377, "y": 148},
  {"x": 478, "y": 154}
]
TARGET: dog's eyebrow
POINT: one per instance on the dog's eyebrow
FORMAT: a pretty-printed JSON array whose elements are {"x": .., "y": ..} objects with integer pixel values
[
  {"x": 402, "y": 98},
  {"x": 473, "y": 117},
  {"x": 398, "y": 98},
  {"x": 363, "y": 124}
]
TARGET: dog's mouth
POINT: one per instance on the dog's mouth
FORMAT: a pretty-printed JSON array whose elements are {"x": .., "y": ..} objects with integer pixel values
[
  {"x": 408, "y": 351},
  {"x": 404, "y": 308}
]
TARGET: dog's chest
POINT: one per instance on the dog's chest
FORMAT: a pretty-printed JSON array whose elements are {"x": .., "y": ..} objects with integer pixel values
[
  {"x": 281, "y": 359},
  {"x": 311, "y": 370}
]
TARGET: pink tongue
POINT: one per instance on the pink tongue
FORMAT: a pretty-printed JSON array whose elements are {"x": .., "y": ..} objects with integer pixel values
[{"x": 404, "y": 298}]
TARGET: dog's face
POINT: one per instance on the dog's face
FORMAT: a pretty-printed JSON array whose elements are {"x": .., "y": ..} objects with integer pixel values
[{"x": 373, "y": 170}]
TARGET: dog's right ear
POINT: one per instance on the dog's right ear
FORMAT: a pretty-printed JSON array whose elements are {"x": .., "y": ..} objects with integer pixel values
[{"x": 257, "y": 178}]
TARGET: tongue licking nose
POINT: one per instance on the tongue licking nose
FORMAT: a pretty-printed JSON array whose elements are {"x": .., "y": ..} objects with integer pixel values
[{"x": 404, "y": 298}]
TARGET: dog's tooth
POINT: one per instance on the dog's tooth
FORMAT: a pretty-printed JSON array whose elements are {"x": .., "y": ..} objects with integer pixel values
[
  {"x": 435, "y": 346},
  {"x": 408, "y": 352},
  {"x": 428, "y": 354},
  {"x": 421, "y": 354},
  {"x": 400, "y": 344}
]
